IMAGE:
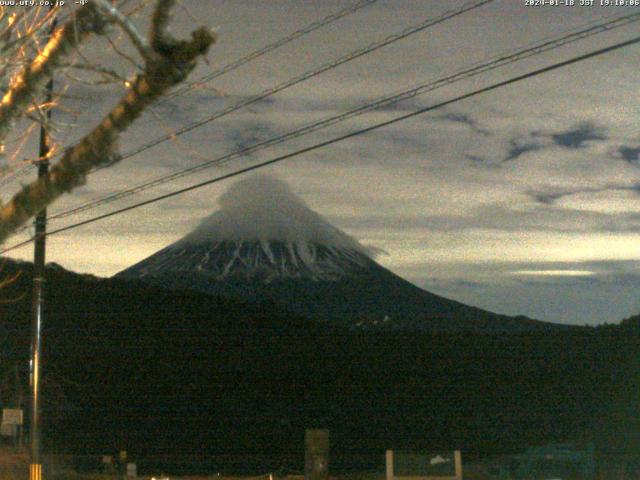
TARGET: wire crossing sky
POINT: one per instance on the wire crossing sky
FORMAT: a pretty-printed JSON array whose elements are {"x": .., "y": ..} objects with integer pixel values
[
  {"x": 502, "y": 60},
  {"x": 273, "y": 46},
  {"x": 11, "y": 174},
  {"x": 429, "y": 22},
  {"x": 339, "y": 139}
]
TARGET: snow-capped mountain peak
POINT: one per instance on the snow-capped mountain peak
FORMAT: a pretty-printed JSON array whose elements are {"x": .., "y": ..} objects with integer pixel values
[{"x": 261, "y": 231}]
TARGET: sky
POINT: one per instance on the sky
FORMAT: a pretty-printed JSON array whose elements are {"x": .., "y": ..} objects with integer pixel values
[{"x": 523, "y": 200}]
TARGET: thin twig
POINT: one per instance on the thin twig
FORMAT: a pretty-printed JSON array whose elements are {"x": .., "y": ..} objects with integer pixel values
[
  {"x": 124, "y": 55},
  {"x": 138, "y": 41},
  {"x": 33, "y": 77}
]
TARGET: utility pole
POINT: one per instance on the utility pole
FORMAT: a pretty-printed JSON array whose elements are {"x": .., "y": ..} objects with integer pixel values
[{"x": 35, "y": 467}]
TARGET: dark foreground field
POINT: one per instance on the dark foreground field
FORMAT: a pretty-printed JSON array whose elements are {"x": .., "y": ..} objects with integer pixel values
[{"x": 162, "y": 374}]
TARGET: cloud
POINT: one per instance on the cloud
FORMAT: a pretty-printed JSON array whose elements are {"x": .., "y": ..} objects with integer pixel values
[
  {"x": 616, "y": 204},
  {"x": 264, "y": 208},
  {"x": 517, "y": 148},
  {"x": 465, "y": 120},
  {"x": 571, "y": 302},
  {"x": 630, "y": 154},
  {"x": 608, "y": 293},
  {"x": 578, "y": 136},
  {"x": 554, "y": 273},
  {"x": 546, "y": 198},
  {"x": 601, "y": 193},
  {"x": 250, "y": 133}
]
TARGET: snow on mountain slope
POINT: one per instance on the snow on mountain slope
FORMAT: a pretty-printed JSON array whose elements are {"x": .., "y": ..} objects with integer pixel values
[
  {"x": 262, "y": 231},
  {"x": 256, "y": 260}
]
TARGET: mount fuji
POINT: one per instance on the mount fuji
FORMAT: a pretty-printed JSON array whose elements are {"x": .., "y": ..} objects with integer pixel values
[{"x": 265, "y": 244}]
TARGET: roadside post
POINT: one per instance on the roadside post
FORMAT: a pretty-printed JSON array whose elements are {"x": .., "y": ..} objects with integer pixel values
[{"x": 316, "y": 462}]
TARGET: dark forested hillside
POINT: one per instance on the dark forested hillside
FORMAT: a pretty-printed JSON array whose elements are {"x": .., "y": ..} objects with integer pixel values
[{"x": 129, "y": 365}]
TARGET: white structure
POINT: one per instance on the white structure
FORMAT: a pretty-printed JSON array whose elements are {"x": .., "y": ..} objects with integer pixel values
[
  {"x": 424, "y": 465},
  {"x": 11, "y": 421}
]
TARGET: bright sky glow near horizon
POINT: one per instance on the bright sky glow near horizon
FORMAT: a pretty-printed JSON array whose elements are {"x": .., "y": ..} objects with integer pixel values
[{"x": 524, "y": 200}]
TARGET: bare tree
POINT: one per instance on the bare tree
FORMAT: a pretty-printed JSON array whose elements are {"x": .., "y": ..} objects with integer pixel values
[{"x": 164, "y": 62}]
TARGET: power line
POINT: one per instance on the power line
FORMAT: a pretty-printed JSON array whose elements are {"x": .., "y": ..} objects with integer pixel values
[
  {"x": 309, "y": 74},
  {"x": 430, "y": 22},
  {"x": 478, "y": 69},
  {"x": 12, "y": 173},
  {"x": 334, "y": 140},
  {"x": 274, "y": 46}
]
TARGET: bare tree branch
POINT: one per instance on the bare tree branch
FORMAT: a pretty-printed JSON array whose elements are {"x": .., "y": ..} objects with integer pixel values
[
  {"x": 160, "y": 24},
  {"x": 33, "y": 78},
  {"x": 108, "y": 74},
  {"x": 170, "y": 64},
  {"x": 138, "y": 40}
]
